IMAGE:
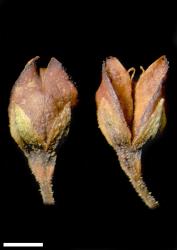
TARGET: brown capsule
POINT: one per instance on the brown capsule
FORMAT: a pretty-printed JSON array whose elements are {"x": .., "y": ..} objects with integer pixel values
[
  {"x": 129, "y": 114},
  {"x": 39, "y": 117}
]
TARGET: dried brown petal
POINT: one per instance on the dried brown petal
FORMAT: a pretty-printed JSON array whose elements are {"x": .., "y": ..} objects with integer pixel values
[
  {"x": 121, "y": 82},
  {"x": 111, "y": 119},
  {"x": 150, "y": 128},
  {"x": 148, "y": 91}
]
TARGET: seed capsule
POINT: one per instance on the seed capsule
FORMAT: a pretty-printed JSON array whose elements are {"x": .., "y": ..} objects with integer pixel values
[
  {"x": 131, "y": 114},
  {"x": 39, "y": 117}
]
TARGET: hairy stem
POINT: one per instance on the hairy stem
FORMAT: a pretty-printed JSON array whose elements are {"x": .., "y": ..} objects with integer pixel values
[
  {"x": 43, "y": 169},
  {"x": 130, "y": 162},
  {"x": 47, "y": 193}
]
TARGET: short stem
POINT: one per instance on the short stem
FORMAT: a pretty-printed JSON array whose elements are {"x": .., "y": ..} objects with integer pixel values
[
  {"x": 142, "y": 190},
  {"x": 46, "y": 192},
  {"x": 43, "y": 170},
  {"x": 130, "y": 162}
]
